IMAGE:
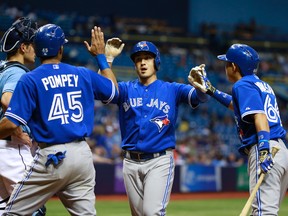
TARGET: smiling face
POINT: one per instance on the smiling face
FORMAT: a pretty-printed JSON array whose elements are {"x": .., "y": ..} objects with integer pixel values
[{"x": 145, "y": 67}]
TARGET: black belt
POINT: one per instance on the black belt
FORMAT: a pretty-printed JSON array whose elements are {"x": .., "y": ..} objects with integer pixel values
[
  {"x": 140, "y": 156},
  {"x": 45, "y": 145}
]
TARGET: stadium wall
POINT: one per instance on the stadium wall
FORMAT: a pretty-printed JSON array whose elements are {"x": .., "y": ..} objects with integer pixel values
[{"x": 188, "y": 178}]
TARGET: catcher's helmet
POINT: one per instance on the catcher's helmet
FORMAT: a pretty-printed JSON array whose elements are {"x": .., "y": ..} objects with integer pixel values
[
  {"x": 146, "y": 46},
  {"x": 48, "y": 40},
  {"x": 244, "y": 56},
  {"x": 21, "y": 31}
]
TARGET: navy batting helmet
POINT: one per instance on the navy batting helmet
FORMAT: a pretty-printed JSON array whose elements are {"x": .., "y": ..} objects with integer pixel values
[
  {"x": 146, "y": 46},
  {"x": 48, "y": 40},
  {"x": 21, "y": 31},
  {"x": 244, "y": 56}
]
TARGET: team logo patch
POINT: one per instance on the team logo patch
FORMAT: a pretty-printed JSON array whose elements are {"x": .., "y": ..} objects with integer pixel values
[
  {"x": 161, "y": 122},
  {"x": 143, "y": 45}
]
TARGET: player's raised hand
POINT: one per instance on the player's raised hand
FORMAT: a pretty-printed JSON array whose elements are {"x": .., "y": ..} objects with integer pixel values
[
  {"x": 195, "y": 78},
  {"x": 198, "y": 78},
  {"x": 97, "y": 42},
  {"x": 113, "y": 48}
]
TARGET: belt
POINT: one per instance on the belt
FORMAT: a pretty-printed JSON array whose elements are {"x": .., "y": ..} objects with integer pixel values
[
  {"x": 140, "y": 156},
  {"x": 45, "y": 145}
]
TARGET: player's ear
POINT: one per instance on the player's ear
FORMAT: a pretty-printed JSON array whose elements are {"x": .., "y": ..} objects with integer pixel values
[
  {"x": 23, "y": 47},
  {"x": 61, "y": 51},
  {"x": 235, "y": 67}
]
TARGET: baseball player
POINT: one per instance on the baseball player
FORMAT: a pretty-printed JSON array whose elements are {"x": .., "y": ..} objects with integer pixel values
[
  {"x": 258, "y": 122},
  {"x": 15, "y": 156},
  {"x": 147, "y": 113},
  {"x": 56, "y": 100}
]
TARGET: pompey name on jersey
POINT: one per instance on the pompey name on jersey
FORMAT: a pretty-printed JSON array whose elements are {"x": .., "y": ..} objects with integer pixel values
[{"x": 62, "y": 80}]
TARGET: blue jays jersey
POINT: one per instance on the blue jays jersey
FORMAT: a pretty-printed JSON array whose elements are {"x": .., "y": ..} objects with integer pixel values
[
  {"x": 148, "y": 114},
  {"x": 57, "y": 101},
  {"x": 250, "y": 96}
]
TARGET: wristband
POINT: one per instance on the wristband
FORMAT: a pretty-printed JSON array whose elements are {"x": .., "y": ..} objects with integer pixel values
[
  {"x": 222, "y": 97},
  {"x": 263, "y": 140},
  {"x": 109, "y": 59},
  {"x": 102, "y": 62}
]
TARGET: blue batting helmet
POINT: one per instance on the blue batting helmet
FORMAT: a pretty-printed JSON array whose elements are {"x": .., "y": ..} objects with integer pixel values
[
  {"x": 244, "y": 56},
  {"x": 21, "y": 31},
  {"x": 146, "y": 46},
  {"x": 48, "y": 40}
]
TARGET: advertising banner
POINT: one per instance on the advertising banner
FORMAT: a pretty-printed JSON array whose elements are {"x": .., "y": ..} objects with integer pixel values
[
  {"x": 199, "y": 178},
  {"x": 242, "y": 179}
]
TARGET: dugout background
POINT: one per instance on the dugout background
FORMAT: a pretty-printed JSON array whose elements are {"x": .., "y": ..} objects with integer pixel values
[{"x": 188, "y": 14}]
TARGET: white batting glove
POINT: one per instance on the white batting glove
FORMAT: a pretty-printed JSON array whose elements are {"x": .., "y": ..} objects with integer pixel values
[
  {"x": 113, "y": 48},
  {"x": 198, "y": 78}
]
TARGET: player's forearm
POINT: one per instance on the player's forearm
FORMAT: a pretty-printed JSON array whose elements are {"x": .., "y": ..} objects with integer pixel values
[
  {"x": 261, "y": 122},
  {"x": 110, "y": 75},
  {"x": 105, "y": 69},
  {"x": 223, "y": 98},
  {"x": 202, "y": 97},
  {"x": 7, "y": 128}
]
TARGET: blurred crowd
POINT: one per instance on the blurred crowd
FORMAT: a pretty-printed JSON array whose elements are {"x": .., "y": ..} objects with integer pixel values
[{"x": 206, "y": 135}]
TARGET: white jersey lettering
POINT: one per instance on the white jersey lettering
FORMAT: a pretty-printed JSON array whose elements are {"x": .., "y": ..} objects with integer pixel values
[
  {"x": 264, "y": 87},
  {"x": 153, "y": 102},
  {"x": 135, "y": 102},
  {"x": 56, "y": 81}
]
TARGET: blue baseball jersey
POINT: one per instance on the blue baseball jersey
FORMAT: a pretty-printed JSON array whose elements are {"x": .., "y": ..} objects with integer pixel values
[
  {"x": 148, "y": 114},
  {"x": 8, "y": 80},
  {"x": 250, "y": 96},
  {"x": 57, "y": 101}
]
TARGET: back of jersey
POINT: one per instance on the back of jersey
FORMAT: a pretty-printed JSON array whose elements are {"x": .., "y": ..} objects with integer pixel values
[{"x": 58, "y": 101}]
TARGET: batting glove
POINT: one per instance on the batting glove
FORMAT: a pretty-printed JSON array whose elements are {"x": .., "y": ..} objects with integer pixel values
[
  {"x": 55, "y": 158},
  {"x": 198, "y": 78},
  {"x": 113, "y": 48},
  {"x": 266, "y": 161}
]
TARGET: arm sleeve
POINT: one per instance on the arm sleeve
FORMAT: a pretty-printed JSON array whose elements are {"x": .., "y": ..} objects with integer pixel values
[
  {"x": 13, "y": 76},
  {"x": 22, "y": 102},
  {"x": 249, "y": 101},
  {"x": 188, "y": 94},
  {"x": 103, "y": 88}
]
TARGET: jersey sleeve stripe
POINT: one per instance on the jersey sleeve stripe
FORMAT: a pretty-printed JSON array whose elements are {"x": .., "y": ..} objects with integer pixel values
[
  {"x": 112, "y": 94},
  {"x": 19, "y": 119},
  {"x": 190, "y": 97}
]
